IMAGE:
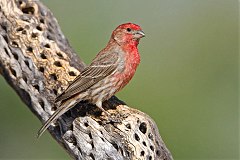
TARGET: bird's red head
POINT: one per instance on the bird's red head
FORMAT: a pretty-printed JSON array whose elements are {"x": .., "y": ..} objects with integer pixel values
[{"x": 128, "y": 33}]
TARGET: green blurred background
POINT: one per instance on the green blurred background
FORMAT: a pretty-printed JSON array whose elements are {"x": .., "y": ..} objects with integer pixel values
[{"x": 188, "y": 75}]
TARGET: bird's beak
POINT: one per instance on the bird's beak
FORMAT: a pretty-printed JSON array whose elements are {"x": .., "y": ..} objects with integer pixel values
[{"x": 139, "y": 34}]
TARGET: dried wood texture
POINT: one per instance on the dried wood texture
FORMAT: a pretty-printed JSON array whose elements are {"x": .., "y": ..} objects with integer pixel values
[{"x": 38, "y": 62}]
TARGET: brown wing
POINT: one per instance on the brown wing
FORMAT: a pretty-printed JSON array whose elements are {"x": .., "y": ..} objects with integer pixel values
[{"x": 91, "y": 75}]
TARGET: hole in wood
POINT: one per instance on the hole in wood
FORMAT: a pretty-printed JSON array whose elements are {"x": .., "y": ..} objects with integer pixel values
[
  {"x": 158, "y": 153},
  {"x": 6, "y": 51},
  {"x": 29, "y": 49},
  {"x": 50, "y": 25},
  {"x": 92, "y": 144},
  {"x": 43, "y": 56},
  {"x": 142, "y": 153},
  {"x": 115, "y": 146},
  {"x": 150, "y": 157},
  {"x": 59, "y": 54},
  {"x": 36, "y": 86},
  {"x": 41, "y": 102},
  {"x": 14, "y": 43},
  {"x": 50, "y": 37},
  {"x": 74, "y": 141},
  {"x": 59, "y": 35},
  {"x": 13, "y": 72},
  {"x": 24, "y": 32},
  {"x": 26, "y": 95},
  {"x": 150, "y": 136},
  {"x": 55, "y": 91},
  {"x": 34, "y": 35},
  {"x": 127, "y": 153},
  {"x": 128, "y": 126},
  {"x": 4, "y": 27},
  {"x": 136, "y": 137},
  {"x": 41, "y": 69},
  {"x": 71, "y": 73},
  {"x": 162, "y": 147},
  {"x": 90, "y": 135},
  {"x": 91, "y": 155},
  {"x": 41, "y": 20},
  {"x": 24, "y": 78},
  {"x": 79, "y": 149},
  {"x": 54, "y": 108},
  {"x": 15, "y": 55},
  {"x": 39, "y": 28},
  {"x": 53, "y": 76},
  {"x": 5, "y": 38},
  {"x": 152, "y": 148},
  {"x": 19, "y": 29},
  {"x": 57, "y": 63},
  {"x": 103, "y": 139},
  {"x": 144, "y": 143},
  {"x": 86, "y": 124},
  {"x": 27, "y": 63},
  {"x": 143, "y": 127},
  {"x": 50, "y": 30},
  {"x": 28, "y": 10},
  {"x": 121, "y": 151},
  {"x": 47, "y": 45}
]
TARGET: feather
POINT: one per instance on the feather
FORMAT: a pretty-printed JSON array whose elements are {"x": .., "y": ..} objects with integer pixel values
[
  {"x": 60, "y": 110},
  {"x": 91, "y": 75}
]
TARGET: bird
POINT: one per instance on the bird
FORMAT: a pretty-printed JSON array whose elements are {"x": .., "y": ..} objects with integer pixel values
[{"x": 110, "y": 71}]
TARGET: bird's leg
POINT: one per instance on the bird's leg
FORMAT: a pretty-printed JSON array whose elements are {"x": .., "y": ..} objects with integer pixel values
[
  {"x": 110, "y": 118},
  {"x": 99, "y": 105}
]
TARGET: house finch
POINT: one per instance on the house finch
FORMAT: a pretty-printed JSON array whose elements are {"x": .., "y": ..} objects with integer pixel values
[{"x": 109, "y": 72}]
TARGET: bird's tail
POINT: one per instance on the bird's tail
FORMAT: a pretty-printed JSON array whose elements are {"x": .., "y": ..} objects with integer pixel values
[{"x": 64, "y": 107}]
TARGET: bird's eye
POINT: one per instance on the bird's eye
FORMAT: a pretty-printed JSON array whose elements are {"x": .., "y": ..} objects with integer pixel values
[{"x": 129, "y": 29}]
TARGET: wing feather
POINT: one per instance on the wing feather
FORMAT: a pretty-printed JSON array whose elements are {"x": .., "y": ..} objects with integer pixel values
[{"x": 90, "y": 76}]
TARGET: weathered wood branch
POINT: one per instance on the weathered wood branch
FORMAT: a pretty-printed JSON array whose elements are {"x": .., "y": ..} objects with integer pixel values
[{"x": 38, "y": 62}]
